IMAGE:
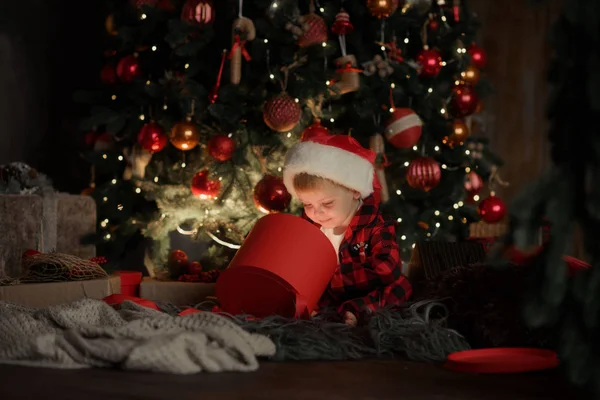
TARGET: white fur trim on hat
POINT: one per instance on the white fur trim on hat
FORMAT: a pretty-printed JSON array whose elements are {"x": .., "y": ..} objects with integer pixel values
[{"x": 340, "y": 166}]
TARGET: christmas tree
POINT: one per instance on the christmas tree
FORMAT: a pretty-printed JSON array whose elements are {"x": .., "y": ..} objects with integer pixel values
[{"x": 199, "y": 101}]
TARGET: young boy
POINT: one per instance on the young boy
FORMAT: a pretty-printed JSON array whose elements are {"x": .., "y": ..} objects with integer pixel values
[{"x": 334, "y": 177}]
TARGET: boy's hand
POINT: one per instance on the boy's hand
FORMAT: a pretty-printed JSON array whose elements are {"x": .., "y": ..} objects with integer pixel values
[{"x": 350, "y": 319}]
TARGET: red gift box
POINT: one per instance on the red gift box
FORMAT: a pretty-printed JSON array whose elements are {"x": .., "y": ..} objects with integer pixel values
[{"x": 282, "y": 268}]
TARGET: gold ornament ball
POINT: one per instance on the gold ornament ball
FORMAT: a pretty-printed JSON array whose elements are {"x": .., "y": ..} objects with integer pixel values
[
  {"x": 460, "y": 133},
  {"x": 470, "y": 75},
  {"x": 184, "y": 135},
  {"x": 382, "y": 8}
]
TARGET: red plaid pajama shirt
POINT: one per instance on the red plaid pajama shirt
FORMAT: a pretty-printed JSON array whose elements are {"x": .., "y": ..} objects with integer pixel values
[{"x": 369, "y": 274}]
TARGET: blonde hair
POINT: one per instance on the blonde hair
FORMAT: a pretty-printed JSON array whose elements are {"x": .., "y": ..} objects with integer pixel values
[{"x": 304, "y": 182}]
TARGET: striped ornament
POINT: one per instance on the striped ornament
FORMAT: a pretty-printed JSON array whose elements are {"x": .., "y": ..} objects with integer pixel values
[
  {"x": 403, "y": 129},
  {"x": 423, "y": 173}
]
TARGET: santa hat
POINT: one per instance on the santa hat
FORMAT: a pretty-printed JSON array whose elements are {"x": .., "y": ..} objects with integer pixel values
[{"x": 339, "y": 158}]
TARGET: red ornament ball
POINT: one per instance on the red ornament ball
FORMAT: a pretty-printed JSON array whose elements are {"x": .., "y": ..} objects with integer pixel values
[
  {"x": 198, "y": 12},
  {"x": 128, "y": 69},
  {"x": 492, "y": 209},
  {"x": 430, "y": 61},
  {"x": 152, "y": 137},
  {"x": 423, "y": 173},
  {"x": 221, "y": 147},
  {"x": 177, "y": 263},
  {"x": 464, "y": 101},
  {"x": 342, "y": 24},
  {"x": 403, "y": 129},
  {"x": 281, "y": 113},
  {"x": 314, "y": 32},
  {"x": 178, "y": 257},
  {"x": 270, "y": 195},
  {"x": 204, "y": 188},
  {"x": 108, "y": 74},
  {"x": 478, "y": 57},
  {"x": 194, "y": 268},
  {"x": 315, "y": 130}
]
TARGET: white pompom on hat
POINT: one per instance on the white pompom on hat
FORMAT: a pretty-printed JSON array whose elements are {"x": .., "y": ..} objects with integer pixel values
[{"x": 338, "y": 158}]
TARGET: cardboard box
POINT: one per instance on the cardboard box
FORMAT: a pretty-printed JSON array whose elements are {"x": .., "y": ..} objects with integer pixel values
[
  {"x": 44, "y": 224},
  {"x": 50, "y": 294},
  {"x": 174, "y": 292}
]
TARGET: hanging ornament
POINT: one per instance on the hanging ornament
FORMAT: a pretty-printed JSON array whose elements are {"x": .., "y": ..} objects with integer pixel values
[
  {"x": 423, "y": 173},
  {"x": 403, "y": 129},
  {"x": 281, "y": 113},
  {"x": 478, "y": 57},
  {"x": 214, "y": 93},
  {"x": 377, "y": 145},
  {"x": 198, "y": 12},
  {"x": 110, "y": 25},
  {"x": 430, "y": 62},
  {"x": 137, "y": 160},
  {"x": 460, "y": 133},
  {"x": 470, "y": 75},
  {"x": 243, "y": 31},
  {"x": 128, "y": 69},
  {"x": 315, "y": 130},
  {"x": 152, "y": 137},
  {"x": 108, "y": 74},
  {"x": 421, "y": 7},
  {"x": 393, "y": 52},
  {"x": 270, "y": 195},
  {"x": 433, "y": 26},
  {"x": 378, "y": 65},
  {"x": 382, "y": 8},
  {"x": 456, "y": 10},
  {"x": 347, "y": 79},
  {"x": 492, "y": 209},
  {"x": 464, "y": 101},
  {"x": 342, "y": 25},
  {"x": 311, "y": 30},
  {"x": 473, "y": 185},
  {"x": 184, "y": 135},
  {"x": 204, "y": 188},
  {"x": 221, "y": 147}
]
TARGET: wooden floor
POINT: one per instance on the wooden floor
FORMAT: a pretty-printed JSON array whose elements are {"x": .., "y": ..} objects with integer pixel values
[{"x": 289, "y": 381}]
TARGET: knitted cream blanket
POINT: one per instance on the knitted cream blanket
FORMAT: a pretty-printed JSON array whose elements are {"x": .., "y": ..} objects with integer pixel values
[{"x": 90, "y": 333}]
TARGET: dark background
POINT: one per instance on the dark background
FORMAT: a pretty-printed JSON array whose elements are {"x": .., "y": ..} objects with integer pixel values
[{"x": 48, "y": 50}]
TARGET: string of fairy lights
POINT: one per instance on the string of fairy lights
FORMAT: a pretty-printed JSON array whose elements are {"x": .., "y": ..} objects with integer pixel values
[{"x": 439, "y": 214}]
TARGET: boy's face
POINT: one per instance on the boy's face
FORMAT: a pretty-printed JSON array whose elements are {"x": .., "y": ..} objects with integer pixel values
[{"x": 330, "y": 205}]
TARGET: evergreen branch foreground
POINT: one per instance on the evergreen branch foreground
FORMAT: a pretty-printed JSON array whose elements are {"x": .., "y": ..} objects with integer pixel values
[{"x": 569, "y": 196}]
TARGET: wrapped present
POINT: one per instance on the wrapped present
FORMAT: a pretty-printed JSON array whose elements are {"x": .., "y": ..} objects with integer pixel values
[
  {"x": 48, "y": 222},
  {"x": 55, "y": 293},
  {"x": 282, "y": 268}
]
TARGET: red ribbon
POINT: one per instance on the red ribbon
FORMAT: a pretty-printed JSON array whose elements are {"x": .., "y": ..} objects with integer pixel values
[
  {"x": 240, "y": 44},
  {"x": 347, "y": 68}
]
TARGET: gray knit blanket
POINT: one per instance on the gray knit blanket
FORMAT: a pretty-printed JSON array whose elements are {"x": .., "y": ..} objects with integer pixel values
[{"x": 90, "y": 333}]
